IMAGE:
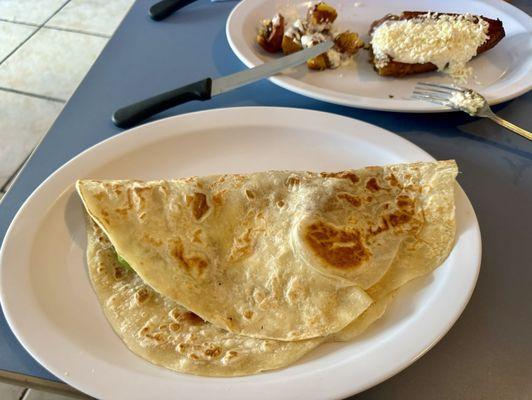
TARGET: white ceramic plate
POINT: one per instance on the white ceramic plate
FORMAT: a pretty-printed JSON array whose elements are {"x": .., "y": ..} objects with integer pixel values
[
  {"x": 50, "y": 306},
  {"x": 502, "y": 73}
]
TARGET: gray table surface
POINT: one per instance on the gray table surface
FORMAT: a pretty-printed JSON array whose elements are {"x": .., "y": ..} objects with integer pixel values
[{"x": 488, "y": 352}]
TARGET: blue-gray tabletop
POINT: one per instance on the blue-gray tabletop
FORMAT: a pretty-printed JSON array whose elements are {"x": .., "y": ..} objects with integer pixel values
[{"x": 488, "y": 352}]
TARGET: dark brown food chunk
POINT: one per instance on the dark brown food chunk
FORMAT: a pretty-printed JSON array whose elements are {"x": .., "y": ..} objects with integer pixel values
[
  {"x": 348, "y": 43},
  {"x": 270, "y": 36},
  {"x": 321, "y": 13},
  {"x": 319, "y": 63},
  {"x": 290, "y": 46}
]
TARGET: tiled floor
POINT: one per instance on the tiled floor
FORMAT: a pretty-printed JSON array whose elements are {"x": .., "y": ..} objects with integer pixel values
[
  {"x": 12, "y": 392},
  {"x": 31, "y": 394},
  {"x": 46, "y": 48}
]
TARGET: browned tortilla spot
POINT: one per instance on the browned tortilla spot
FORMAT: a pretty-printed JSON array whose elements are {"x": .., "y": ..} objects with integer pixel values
[
  {"x": 393, "y": 180},
  {"x": 250, "y": 195},
  {"x": 399, "y": 218},
  {"x": 191, "y": 318},
  {"x": 213, "y": 351},
  {"x": 242, "y": 246},
  {"x": 353, "y": 200},
  {"x": 141, "y": 295},
  {"x": 292, "y": 181},
  {"x": 193, "y": 264},
  {"x": 381, "y": 228},
  {"x": 372, "y": 185},
  {"x": 341, "y": 175},
  {"x": 199, "y": 205},
  {"x": 339, "y": 248}
]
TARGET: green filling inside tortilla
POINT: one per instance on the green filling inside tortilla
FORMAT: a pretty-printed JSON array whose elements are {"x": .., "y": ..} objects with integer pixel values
[{"x": 122, "y": 261}]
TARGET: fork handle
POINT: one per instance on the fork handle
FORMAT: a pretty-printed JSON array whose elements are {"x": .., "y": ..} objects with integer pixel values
[{"x": 508, "y": 125}]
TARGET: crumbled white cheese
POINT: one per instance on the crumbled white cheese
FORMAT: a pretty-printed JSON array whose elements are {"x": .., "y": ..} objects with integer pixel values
[
  {"x": 295, "y": 30},
  {"x": 325, "y": 26},
  {"x": 299, "y": 24},
  {"x": 468, "y": 101},
  {"x": 306, "y": 34},
  {"x": 312, "y": 39},
  {"x": 448, "y": 42},
  {"x": 293, "y": 33},
  {"x": 276, "y": 20},
  {"x": 335, "y": 58}
]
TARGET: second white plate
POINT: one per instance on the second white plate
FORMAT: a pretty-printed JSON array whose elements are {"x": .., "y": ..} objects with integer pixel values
[
  {"x": 502, "y": 73},
  {"x": 50, "y": 306}
]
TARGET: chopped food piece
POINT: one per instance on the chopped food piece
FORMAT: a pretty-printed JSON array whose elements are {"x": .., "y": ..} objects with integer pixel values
[
  {"x": 312, "y": 39},
  {"x": 271, "y": 33},
  {"x": 290, "y": 45},
  {"x": 321, "y": 16},
  {"x": 348, "y": 42},
  {"x": 297, "y": 29},
  {"x": 317, "y": 28},
  {"x": 318, "y": 63}
]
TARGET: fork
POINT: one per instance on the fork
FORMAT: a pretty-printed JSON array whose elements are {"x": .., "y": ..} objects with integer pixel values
[{"x": 463, "y": 99}]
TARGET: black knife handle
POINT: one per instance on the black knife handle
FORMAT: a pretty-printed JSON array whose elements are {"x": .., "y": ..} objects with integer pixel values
[
  {"x": 131, "y": 115},
  {"x": 164, "y": 8}
]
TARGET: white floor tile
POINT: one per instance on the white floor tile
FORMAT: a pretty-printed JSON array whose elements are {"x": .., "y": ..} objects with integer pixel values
[
  {"x": 93, "y": 16},
  {"x": 10, "y": 392},
  {"x": 32, "y": 394},
  {"x": 31, "y": 11},
  {"x": 11, "y": 35},
  {"x": 51, "y": 63},
  {"x": 23, "y": 121}
]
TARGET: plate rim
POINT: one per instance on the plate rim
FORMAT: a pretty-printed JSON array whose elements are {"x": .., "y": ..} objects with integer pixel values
[
  {"x": 139, "y": 130},
  {"x": 302, "y": 88}
]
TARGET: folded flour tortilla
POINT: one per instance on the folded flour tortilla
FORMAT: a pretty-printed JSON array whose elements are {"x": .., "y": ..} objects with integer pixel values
[
  {"x": 161, "y": 331},
  {"x": 280, "y": 255}
]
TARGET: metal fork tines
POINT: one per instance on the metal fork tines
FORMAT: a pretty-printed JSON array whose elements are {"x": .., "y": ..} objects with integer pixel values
[
  {"x": 462, "y": 99},
  {"x": 436, "y": 93}
]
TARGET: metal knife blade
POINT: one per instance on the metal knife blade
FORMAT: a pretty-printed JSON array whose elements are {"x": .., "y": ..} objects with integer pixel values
[
  {"x": 242, "y": 78},
  {"x": 205, "y": 89}
]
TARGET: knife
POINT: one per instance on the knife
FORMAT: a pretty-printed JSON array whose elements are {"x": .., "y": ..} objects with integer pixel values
[
  {"x": 207, "y": 88},
  {"x": 164, "y": 8}
]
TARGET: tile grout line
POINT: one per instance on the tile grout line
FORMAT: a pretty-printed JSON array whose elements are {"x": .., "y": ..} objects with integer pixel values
[
  {"x": 38, "y": 96},
  {"x": 39, "y": 27},
  {"x": 57, "y": 28},
  {"x": 13, "y": 177},
  {"x": 19, "y": 22},
  {"x": 23, "y": 394},
  {"x": 7, "y": 183}
]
